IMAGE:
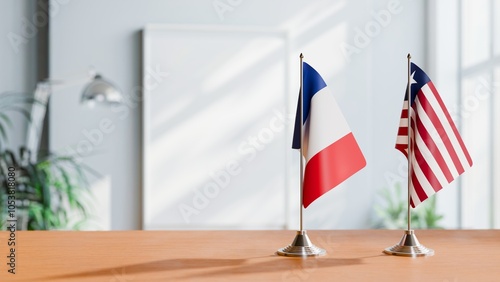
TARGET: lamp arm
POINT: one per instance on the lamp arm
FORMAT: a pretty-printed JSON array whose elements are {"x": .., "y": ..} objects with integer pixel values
[
  {"x": 57, "y": 84},
  {"x": 38, "y": 111}
]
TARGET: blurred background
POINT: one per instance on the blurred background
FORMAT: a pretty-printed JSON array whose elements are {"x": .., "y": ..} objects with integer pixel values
[{"x": 200, "y": 135}]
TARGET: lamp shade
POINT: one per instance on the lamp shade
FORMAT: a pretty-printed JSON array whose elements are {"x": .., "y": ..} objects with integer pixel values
[{"x": 101, "y": 90}]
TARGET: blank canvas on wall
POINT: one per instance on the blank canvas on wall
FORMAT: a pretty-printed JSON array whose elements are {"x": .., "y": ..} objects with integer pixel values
[{"x": 215, "y": 128}]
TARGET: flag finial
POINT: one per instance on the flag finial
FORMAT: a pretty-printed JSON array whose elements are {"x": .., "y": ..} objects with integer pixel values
[
  {"x": 301, "y": 56},
  {"x": 409, "y": 56}
]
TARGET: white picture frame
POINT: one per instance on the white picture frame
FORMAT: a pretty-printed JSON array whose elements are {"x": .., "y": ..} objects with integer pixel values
[{"x": 216, "y": 128}]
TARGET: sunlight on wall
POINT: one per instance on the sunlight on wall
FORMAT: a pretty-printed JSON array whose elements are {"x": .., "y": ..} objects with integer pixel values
[
  {"x": 222, "y": 112},
  {"x": 198, "y": 160},
  {"x": 214, "y": 156}
]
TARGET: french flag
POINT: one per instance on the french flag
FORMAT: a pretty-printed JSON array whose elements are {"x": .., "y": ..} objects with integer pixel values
[{"x": 330, "y": 150}]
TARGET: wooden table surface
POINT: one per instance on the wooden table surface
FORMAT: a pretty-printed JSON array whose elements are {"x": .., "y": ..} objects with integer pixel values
[{"x": 354, "y": 255}]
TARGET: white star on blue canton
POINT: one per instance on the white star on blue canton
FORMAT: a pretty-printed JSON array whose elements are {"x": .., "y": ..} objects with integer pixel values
[{"x": 413, "y": 81}]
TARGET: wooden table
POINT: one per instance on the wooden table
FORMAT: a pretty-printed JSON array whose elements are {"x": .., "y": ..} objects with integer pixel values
[{"x": 355, "y": 255}]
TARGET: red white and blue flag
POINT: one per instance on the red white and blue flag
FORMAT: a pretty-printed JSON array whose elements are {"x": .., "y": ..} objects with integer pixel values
[
  {"x": 438, "y": 154},
  {"x": 331, "y": 153}
]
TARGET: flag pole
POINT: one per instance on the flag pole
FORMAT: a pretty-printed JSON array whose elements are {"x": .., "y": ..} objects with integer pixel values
[
  {"x": 409, "y": 246},
  {"x": 301, "y": 245},
  {"x": 409, "y": 139},
  {"x": 301, "y": 206}
]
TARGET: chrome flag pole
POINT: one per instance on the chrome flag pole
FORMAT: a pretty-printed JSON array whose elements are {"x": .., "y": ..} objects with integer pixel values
[
  {"x": 301, "y": 207},
  {"x": 409, "y": 245},
  {"x": 301, "y": 245}
]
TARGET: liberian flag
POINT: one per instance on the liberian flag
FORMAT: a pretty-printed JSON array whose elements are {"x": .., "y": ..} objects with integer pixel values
[
  {"x": 438, "y": 154},
  {"x": 331, "y": 153}
]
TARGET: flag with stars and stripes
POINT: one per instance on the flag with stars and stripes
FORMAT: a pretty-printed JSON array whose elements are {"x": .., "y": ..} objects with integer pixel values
[{"x": 437, "y": 153}]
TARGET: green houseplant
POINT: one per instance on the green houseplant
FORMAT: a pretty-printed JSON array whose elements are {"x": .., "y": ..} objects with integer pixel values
[
  {"x": 51, "y": 192},
  {"x": 11, "y": 102},
  {"x": 392, "y": 213}
]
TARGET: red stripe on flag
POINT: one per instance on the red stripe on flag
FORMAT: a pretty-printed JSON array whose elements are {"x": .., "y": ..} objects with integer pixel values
[
  {"x": 415, "y": 184},
  {"x": 403, "y": 131},
  {"x": 438, "y": 126},
  {"x": 436, "y": 154},
  {"x": 450, "y": 121},
  {"x": 404, "y": 113},
  {"x": 330, "y": 167},
  {"x": 426, "y": 170},
  {"x": 403, "y": 149},
  {"x": 422, "y": 196}
]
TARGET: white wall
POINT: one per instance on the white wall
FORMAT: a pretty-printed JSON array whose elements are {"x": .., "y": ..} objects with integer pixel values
[
  {"x": 369, "y": 86},
  {"x": 17, "y": 57}
]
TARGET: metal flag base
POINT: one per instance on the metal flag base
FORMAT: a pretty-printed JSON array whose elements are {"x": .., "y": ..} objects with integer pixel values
[
  {"x": 301, "y": 247},
  {"x": 409, "y": 247}
]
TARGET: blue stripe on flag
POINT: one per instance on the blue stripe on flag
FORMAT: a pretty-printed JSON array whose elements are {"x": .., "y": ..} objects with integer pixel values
[{"x": 312, "y": 84}]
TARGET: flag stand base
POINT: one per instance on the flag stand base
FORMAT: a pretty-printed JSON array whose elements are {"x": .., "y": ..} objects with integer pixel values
[
  {"x": 301, "y": 247},
  {"x": 409, "y": 247}
]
